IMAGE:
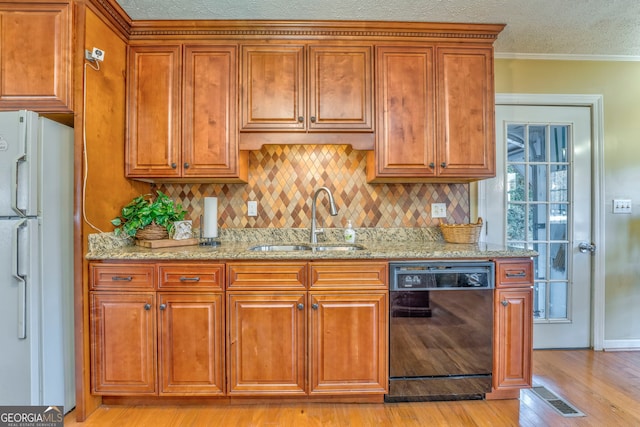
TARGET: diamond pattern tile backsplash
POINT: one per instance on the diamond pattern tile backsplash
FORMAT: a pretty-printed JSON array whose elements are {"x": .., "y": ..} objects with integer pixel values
[{"x": 284, "y": 178}]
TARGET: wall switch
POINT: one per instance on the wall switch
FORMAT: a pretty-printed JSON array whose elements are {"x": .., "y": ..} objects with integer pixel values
[
  {"x": 438, "y": 210},
  {"x": 252, "y": 208},
  {"x": 621, "y": 206}
]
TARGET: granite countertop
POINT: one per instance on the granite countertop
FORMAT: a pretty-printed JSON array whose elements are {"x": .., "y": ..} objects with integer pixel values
[{"x": 388, "y": 243}]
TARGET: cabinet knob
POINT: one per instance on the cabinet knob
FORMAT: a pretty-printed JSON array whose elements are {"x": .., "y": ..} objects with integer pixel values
[
  {"x": 300, "y": 306},
  {"x": 300, "y": 119},
  {"x": 432, "y": 165},
  {"x": 173, "y": 166},
  {"x": 163, "y": 307},
  {"x": 147, "y": 306},
  {"x": 443, "y": 164},
  {"x": 314, "y": 306},
  {"x": 504, "y": 302},
  {"x": 186, "y": 165},
  {"x": 313, "y": 119}
]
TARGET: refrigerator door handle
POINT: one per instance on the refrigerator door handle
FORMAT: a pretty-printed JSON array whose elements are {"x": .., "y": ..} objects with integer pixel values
[
  {"x": 16, "y": 189},
  {"x": 22, "y": 283}
]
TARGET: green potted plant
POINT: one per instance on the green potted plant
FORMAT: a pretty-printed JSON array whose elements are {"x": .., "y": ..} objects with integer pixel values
[{"x": 150, "y": 218}]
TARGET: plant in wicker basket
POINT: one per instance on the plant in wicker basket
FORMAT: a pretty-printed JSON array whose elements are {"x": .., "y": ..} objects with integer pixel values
[{"x": 147, "y": 218}]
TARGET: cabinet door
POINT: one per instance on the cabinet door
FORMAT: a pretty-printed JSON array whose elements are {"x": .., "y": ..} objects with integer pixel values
[
  {"x": 190, "y": 349},
  {"x": 340, "y": 88},
  {"x": 348, "y": 342},
  {"x": 405, "y": 139},
  {"x": 266, "y": 347},
  {"x": 153, "y": 85},
  {"x": 272, "y": 88},
  {"x": 35, "y": 56},
  {"x": 513, "y": 338},
  {"x": 466, "y": 140},
  {"x": 210, "y": 142},
  {"x": 123, "y": 345}
]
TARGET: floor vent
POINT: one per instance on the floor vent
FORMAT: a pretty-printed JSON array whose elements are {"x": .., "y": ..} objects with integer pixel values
[{"x": 563, "y": 407}]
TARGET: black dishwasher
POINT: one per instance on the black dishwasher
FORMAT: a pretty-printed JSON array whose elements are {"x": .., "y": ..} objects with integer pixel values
[{"x": 441, "y": 330}]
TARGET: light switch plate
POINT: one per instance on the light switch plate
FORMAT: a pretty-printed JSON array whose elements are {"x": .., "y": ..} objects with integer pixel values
[
  {"x": 438, "y": 210},
  {"x": 252, "y": 208},
  {"x": 621, "y": 206}
]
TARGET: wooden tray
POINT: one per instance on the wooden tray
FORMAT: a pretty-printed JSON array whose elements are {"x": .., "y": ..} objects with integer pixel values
[{"x": 166, "y": 243}]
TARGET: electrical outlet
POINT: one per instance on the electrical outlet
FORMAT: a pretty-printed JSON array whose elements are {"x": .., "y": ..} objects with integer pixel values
[
  {"x": 252, "y": 208},
  {"x": 438, "y": 210},
  {"x": 621, "y": 206},
  {"x": 97, "y": 54}
]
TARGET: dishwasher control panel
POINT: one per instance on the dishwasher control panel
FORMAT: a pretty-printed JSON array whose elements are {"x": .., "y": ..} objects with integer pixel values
[{"x": 418, "y": 276}]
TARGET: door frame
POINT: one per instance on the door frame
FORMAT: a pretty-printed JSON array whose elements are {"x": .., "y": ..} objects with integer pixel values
[{"x": 595, "y": 103}]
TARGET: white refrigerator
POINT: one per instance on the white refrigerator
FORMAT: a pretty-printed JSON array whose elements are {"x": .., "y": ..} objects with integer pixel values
[{"x": 36, "y": 261}]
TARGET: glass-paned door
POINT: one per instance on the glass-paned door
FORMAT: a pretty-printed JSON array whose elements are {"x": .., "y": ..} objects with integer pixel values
[{"x": 541, "y": 199}]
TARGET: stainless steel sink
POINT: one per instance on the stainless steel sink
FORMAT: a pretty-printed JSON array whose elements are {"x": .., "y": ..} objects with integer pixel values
[
  {"x": 350, "y": 247},
  {"x": 298, "y": 247},
  {"x": 280, "y": 248}
]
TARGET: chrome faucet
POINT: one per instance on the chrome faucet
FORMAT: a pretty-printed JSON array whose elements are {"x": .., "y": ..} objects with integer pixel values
[{"x": 313, "y": 234}]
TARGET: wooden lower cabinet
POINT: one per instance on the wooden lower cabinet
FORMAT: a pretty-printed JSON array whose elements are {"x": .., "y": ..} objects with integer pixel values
[
  {"x": 190, "y": 343},
  {"x": 513, "y": 328},
  {"x": 123, "y": 345},
  {"x": 150, "y": 343},
  {"x": 332, "y": 341},
  {"x": 347, "y": 342},
  {"x": 292, "y": 329},
  {"x": 266, "y": 343}
]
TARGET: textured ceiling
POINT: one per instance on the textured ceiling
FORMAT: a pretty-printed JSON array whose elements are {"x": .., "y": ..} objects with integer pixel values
[{"x": 546, "y": 27}]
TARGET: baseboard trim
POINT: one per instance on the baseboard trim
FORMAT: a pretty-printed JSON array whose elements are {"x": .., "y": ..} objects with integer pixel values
[{"x": 621, "y": 345}]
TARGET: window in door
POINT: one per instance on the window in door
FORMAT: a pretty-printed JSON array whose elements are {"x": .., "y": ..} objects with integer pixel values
[{"x": 537, "y": 189}]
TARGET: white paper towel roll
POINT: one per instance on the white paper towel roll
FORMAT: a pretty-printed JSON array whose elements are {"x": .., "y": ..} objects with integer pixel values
[{"x": 210, "y": 218}]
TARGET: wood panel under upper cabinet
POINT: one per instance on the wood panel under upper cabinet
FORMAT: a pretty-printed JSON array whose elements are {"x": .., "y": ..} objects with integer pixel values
[{"x": 35, "y": 56}]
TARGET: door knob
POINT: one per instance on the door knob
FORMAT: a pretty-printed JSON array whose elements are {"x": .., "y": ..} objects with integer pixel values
[{"x": 585, "y": 247}]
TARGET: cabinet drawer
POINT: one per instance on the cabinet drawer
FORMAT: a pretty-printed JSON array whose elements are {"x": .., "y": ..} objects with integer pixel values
[
  {"x": 190, "y": 276},
  {"x": 267, "y": 275},
  {"x": 370, "y": 275},
  {"x": 514, "y": 273},
  {"x": 121, "y": 276}
]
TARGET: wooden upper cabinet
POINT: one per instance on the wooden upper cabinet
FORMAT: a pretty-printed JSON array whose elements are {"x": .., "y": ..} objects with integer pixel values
[
  {"x": 35, "y": 56},
  {"x": 272, "y": 88},
  {"x": 307, "y": 88},
  {"x": 466, "y": 136},
  {"x": 153, "y": 145},
  {"x": 435, "y": 114},
  {"x": 210, "y": 127},
  {"x": 182, "y": 120},
  {"x": 405, "y": 139},
  {"x": 340, "y": 88}
]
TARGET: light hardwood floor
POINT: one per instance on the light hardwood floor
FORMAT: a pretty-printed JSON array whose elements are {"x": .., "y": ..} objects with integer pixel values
[{"x": 603, "y": 385}]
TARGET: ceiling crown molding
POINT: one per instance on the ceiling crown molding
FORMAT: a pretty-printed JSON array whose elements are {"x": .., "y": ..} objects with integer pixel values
[
  {"x": 487, "y": 33},
  {"x": 111, "y": 10}
]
